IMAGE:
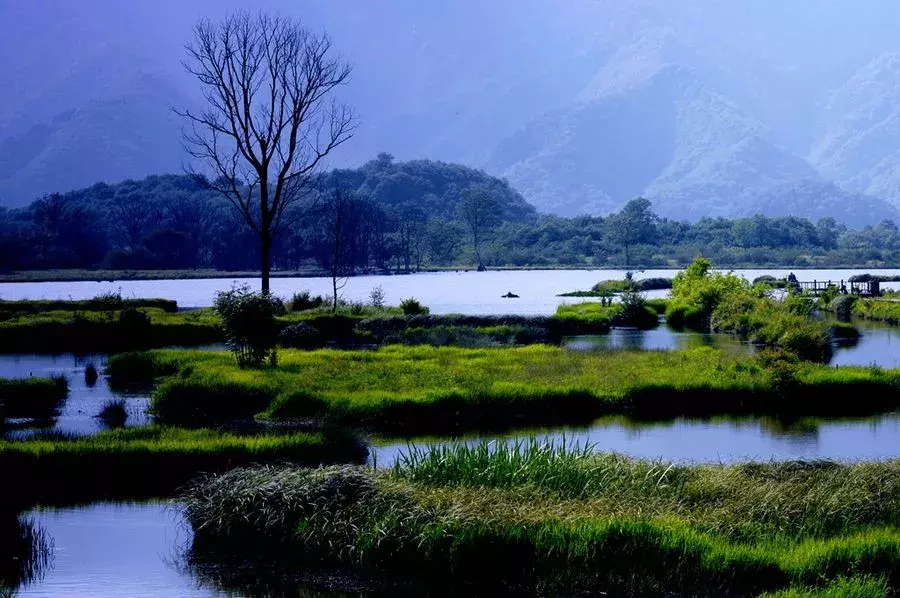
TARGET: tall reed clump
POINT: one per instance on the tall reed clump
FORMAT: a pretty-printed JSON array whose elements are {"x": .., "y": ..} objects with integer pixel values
[
  {"x": 537, "y": 518},
  {"x": 25, "y": 552},
  {"x": 113, "y": 413}
]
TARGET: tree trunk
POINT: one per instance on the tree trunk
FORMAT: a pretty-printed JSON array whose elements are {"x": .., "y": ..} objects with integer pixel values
[
  {"x": 334, "y": 289},
  {"x": 265, "y": 251}
]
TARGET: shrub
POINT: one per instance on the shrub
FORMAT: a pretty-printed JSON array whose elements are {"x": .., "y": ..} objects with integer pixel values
[
  {"x": 376, "y": 297},
  {"x": 412, "y": 307},
  {"x": 635, "y": 312},
  {"x": 842, "y": 306},
  {"x": 304, "y": 301},
  {"x": 250, "y": 325},
  {"x": 134, "y": 322},
  {"x": 696, "y": 292},
  {"x": 300, "y": 336}
]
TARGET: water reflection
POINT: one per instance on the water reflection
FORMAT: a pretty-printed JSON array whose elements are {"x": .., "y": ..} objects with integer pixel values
[
  {"x": 77, "y": 414},
  {"x": 662, "y": 338},
  {"x": 710, "y": 440},
  {"x": 878, "y": 344},
  {"x": 26, "y": 553},
  {"x": 130, "y": 550}
]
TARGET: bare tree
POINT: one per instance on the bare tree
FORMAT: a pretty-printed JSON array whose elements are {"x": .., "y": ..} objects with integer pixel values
[
  {"x": 480, "y": 213},
  {"x": 271, "y": 119},
  {"x": 339, "y": 212}
]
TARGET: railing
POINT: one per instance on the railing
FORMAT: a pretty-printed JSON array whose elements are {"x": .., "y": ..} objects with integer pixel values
[{"x": 816, "y": 287}]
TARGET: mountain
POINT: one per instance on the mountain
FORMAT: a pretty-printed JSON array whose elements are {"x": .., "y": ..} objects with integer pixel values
[{"x": 705, "y": 107}]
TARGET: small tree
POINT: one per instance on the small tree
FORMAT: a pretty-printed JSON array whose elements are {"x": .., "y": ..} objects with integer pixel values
[
  {"x": 340, "y": 210},
  {"x": 251, "y": 328},
  {"x": 636, "y": 223},
  {"x": 479, "y": 212}
]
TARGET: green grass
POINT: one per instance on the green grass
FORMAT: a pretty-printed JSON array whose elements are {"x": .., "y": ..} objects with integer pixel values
[
  {"x": 106, "y": 330},
  {"x": 33, "y": 398},
  {"x": 642, "y": 315},
  {"x": 881, "y": 310},
  {"x": 151, "y": 461},
  {"x": 437, "y": 390},
  {"x": 67, "y": 330},
  {"x": 863, "y": 586},
  {"x": 112, "y": 302},
  {"x": 542, "y": 518}
]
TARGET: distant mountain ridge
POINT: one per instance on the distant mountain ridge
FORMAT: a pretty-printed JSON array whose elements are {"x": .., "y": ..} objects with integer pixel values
[{"x": 706, "y": 108}]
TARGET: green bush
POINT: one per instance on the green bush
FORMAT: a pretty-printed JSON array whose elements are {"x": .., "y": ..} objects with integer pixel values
[
  {"x": 304, "y": 301},
  {"x": 250, "y": 325},
  {"x": 697, "y": 291},
  {"x": 412, "y": 307},
  {"x": 842, "y": 306}
]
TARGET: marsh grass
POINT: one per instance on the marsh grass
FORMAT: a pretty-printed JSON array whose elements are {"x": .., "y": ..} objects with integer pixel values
[
  {"x": 150, "y": 461},
  {"x": 25, "y": 552},
  {"x": 113, "y": 413},
  {"x": 421, "y": 390},
  {"x": 881, "y": 310},
  {"x": 114, "y": 330},
  {"x": 91, "y": 374},
  {"x": 32, "y": 398},
  {"x": 551, "y": 518},
  {"x": 107, "y": 302}
]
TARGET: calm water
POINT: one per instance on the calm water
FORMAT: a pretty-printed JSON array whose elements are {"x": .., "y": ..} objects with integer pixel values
[
  {"x": 135, "y": 550},
  {"x": 108, "y": 550},
  {"x": 707, "y": 441},
  {"x": 444, "y": 292},
  {"x": 84, "y": 403}
]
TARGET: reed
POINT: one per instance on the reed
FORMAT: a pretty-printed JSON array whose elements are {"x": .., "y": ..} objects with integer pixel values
[
  {"x": 151, "y": 461},
  {"x": 549, "y": 518}
]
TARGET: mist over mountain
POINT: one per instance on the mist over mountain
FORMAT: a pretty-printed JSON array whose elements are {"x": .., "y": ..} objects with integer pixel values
[{"x": 707, "y": 108}]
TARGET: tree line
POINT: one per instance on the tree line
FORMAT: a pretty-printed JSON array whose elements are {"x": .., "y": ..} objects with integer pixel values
[
  {"x": 257, "y": 198},
  {"x": 389, "y": 216}
]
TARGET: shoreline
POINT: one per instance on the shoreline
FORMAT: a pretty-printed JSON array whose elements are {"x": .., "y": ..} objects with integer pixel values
[{"x": 37, "y": 276}]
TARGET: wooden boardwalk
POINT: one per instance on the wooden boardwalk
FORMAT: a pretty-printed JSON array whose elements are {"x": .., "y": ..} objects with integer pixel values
[{"x": 817, "y": 287}]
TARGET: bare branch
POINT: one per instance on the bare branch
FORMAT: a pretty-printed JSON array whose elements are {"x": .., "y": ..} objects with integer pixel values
[{"x": 271, "y": 119}]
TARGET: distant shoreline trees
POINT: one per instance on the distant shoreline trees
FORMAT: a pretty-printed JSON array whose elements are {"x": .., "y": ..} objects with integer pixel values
[{"x": 192, "y": 228}]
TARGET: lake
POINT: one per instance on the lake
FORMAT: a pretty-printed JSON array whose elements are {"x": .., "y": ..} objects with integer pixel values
[{"x": 444, "y": 292}]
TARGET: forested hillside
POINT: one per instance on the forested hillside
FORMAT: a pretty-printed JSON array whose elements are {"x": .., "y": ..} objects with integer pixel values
[
  {"x": 403, "y": 217},
  {"x": 707, "y": 108}
]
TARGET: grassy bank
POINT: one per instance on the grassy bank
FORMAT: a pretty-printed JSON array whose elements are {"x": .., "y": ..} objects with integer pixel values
[
  {"x": 438, "y": 390},
  {"x": 113, "y": 330},
  {"x": 879, "y": 310},
  {"x": 608, "y": 288},
  {"x": 111, "y": 302},
  {"x": 32, "y": 398},
  {"x": 543, "y": 519},
  {"x": 149, "y": 462},
  {"x": 73, "y": 328}
]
